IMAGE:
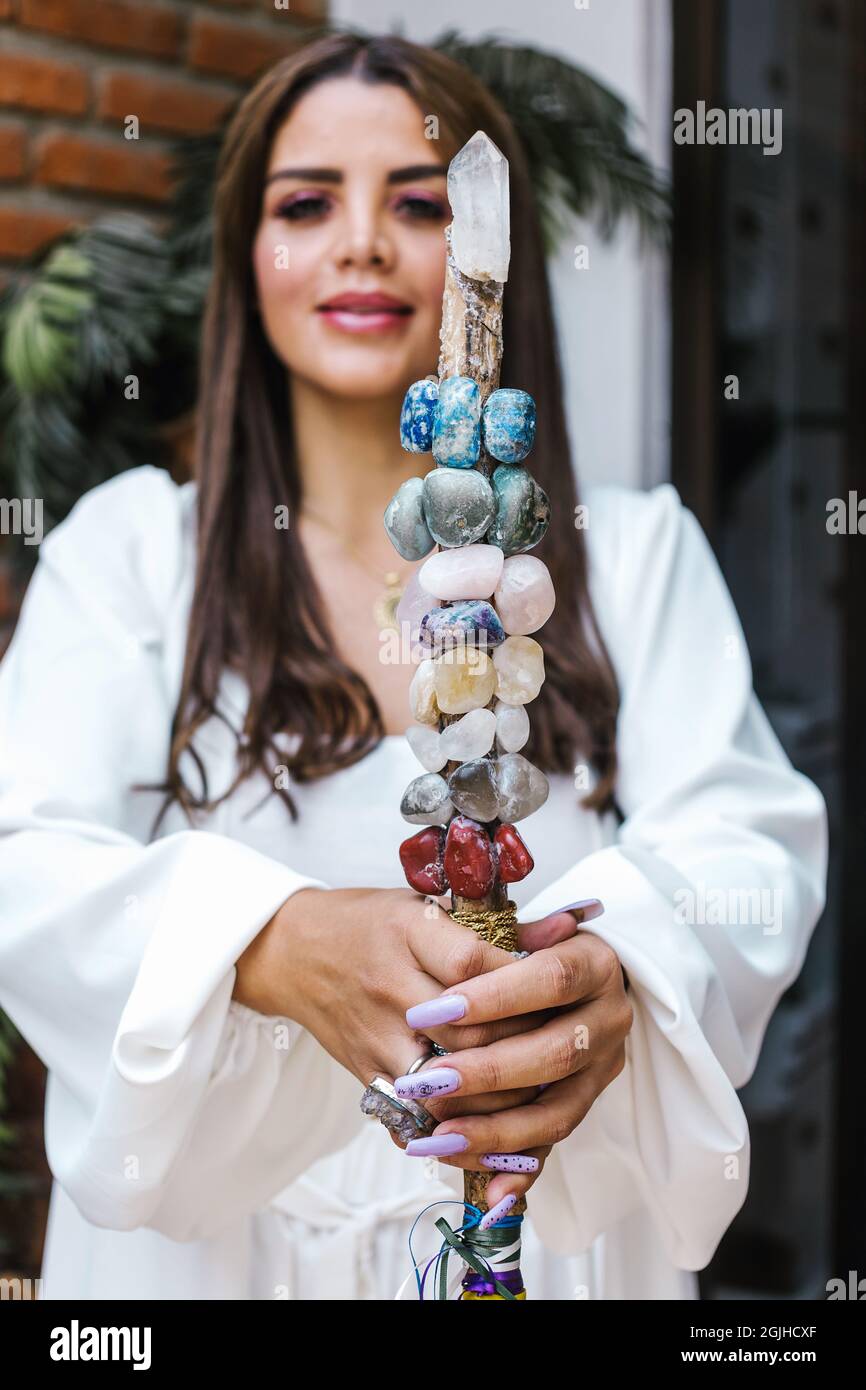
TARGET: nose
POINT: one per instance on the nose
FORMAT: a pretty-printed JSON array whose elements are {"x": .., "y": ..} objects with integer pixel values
[{"x": 362, "y": 238}]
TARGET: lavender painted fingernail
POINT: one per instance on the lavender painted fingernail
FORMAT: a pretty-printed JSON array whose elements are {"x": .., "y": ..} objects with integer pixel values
[
  {"x": 510, "y": 1163},
  {"x": 446, "y": 1009},
  {"x": 588, "y": 908},
  {"x": 438, "y": 1145},
  {"x": 435, "y": 1081},
  {"x": 501, "y": 1209}
]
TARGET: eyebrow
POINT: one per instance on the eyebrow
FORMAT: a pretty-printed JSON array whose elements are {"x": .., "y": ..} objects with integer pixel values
[{"x": 407, "y": 175}]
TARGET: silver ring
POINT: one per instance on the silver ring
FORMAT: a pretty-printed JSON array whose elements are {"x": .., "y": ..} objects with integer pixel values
[
  {"x": 419, "y": 1062},
  {"x": 436, "y": 1050}
]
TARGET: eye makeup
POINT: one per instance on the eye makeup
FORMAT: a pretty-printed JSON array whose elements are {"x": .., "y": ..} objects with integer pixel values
[
  {"x": 425, "y": 206},
  {"x": 416, "y": 207}
]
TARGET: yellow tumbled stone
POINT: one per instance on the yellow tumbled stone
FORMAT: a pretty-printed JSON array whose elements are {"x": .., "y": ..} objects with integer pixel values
[
  {"x": 464, "y": 678},
  {"x": 422, "y": 696}
]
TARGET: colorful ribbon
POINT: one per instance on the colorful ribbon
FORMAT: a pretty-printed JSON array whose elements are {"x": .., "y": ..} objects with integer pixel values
[{"x": 502, "y": 1241}]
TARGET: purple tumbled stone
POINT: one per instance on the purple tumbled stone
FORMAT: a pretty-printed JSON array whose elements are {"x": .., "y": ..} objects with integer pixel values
[{"x": 469, "y": 622}]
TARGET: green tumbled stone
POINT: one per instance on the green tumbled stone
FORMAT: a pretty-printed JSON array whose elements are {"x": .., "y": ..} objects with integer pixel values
[
  {"x": 404, "y": 521},
  {"x": 459, "y": 505},
  {"x": 522, "y": 510}
]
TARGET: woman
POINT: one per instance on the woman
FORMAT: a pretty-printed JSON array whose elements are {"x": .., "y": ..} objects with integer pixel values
[{"x": 207, "y": 936}]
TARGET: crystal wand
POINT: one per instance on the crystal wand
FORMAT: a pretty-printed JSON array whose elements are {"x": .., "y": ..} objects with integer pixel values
[{"x": 475, "y": 603}]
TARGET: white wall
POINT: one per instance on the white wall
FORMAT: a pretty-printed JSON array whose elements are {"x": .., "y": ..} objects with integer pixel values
[{"x": 613, "y": 318}]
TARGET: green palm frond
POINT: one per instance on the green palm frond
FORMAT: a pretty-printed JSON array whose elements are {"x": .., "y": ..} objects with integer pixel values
[
  {"x": 194, "y": 161},
  {"x": 93, "y": 308},
  {"x": 39, "y": 344},
  {"x": 99, "y": 340},
  {"x": 577, "y": 137}
]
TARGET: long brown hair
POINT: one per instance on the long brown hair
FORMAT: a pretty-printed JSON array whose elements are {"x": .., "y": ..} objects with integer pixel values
[{"x": 256, "y": 606}]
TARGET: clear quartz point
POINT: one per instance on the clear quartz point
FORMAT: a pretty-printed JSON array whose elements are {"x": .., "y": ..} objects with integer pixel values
[{"x": 478, "y": 194}]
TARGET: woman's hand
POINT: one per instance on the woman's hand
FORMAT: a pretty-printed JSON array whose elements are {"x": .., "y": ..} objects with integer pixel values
[
  {"x": 576, "y": 992},
  {"x": 347, "y": 964}
]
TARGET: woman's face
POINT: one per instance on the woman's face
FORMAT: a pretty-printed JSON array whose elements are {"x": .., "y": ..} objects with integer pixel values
[{"x": 354, "y": 205}]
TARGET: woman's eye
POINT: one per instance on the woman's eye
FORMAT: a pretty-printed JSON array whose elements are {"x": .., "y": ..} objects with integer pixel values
[
  {"x": 429, "y": 209},
  {"x": 420, "y": 209},
  {"x": 300, "y": 208}
]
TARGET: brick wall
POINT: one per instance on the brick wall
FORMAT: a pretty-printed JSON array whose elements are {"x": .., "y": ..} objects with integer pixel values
[{"x": 71, "y": 73}]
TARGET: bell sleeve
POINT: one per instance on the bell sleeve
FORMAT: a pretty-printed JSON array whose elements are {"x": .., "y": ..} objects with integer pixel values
[
  {"x": 169, "y": 1104},
  {"x": 711, "y": 892}
]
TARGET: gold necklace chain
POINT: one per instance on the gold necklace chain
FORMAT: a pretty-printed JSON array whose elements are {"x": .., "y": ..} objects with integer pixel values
[
  {"x": 385, "y": 605},
  {"x": 389, "y": 575}
]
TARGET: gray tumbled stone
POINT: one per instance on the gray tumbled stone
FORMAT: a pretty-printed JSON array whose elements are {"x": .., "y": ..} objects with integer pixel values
[
  {"x": 459, "y": 505},
  {"x": 426, "y": 801},
  {"x": 474, "y": 789},
  {"x": 404, "y": 521}
]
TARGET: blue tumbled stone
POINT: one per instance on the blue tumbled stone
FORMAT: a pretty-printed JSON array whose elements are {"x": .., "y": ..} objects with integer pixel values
[
  {"x": 508, "y": 421},
  {"x": 416, "y": 417},
  {"x": 457, "y": 423}
]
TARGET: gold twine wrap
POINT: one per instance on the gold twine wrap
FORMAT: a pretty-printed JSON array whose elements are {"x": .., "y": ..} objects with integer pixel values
[{"x": 498, "y": 926}]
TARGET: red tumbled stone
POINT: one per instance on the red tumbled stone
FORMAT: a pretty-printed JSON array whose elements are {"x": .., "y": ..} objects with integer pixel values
[
  {"x": 513, "y": 858},
  {"x": 469, "y": 863},
  {"x": 421, "y": 857}
]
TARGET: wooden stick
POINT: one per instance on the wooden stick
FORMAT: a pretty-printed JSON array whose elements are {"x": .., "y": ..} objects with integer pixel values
[{"x": 470, "y": 344}]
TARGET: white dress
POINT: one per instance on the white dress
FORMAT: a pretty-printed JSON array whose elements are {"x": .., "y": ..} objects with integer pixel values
[{"x": 201, "y": 1150}]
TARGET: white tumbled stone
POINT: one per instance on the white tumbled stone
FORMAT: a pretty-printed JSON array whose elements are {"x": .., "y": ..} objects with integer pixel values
[
  {"x": 469, "y": 737},
  {"x": 522, "y": 787},
  {"x": 519, "y": 663},
  {"x": 426, "y": 744},
  {"x": 512, "y": 726},
  {"x": 468, "y": 571},
  {"x": 524, "y": 597}
]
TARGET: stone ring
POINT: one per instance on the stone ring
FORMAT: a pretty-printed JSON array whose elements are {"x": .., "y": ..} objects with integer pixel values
[{"x": 405, "y": 1118}]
